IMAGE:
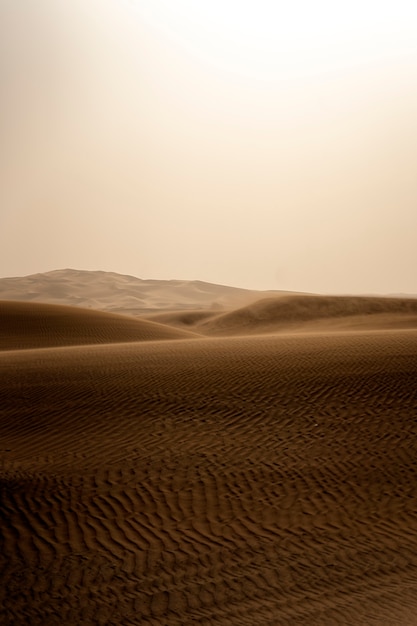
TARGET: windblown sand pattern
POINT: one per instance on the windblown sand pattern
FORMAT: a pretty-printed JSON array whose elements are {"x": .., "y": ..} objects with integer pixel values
[{"x": 266, "y": 480}]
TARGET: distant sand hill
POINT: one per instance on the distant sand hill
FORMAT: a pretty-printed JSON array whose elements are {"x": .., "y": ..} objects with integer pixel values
[
  {"x": 207, "y": 308},
  {"x": 108, "y": 291},
  {"x": 260, "y": 469}
]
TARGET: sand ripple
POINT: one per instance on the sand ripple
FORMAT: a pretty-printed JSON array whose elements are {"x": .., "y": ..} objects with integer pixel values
[{"x": 264, "y": 480}]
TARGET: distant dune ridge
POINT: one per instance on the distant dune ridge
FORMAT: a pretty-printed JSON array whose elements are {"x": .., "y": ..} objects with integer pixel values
[
  {"x": 207, "y": 308},
  {"x": 260, "y": 469},
  {"x": 110, "y": 291}
]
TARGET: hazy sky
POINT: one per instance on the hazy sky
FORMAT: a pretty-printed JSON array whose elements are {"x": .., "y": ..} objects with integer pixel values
[{"x": 255, "y": 143}]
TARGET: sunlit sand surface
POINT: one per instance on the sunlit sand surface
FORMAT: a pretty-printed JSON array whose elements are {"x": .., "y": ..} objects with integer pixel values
[{"x": 153, "y": 476}]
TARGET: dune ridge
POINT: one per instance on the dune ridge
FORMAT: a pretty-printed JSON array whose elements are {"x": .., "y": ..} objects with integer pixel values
[
  {"x": 251, "y": 480},
  {"x": 110, "y": 291},
  {"x": 40, "y": 325},
  {"x": 289, "y": 312}
]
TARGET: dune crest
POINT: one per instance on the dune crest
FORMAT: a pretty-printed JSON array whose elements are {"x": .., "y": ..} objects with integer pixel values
[{"x": 294, "y": 312}]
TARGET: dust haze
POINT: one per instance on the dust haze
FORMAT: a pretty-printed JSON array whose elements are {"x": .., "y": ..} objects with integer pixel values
[{"x": 122, "y": 151}]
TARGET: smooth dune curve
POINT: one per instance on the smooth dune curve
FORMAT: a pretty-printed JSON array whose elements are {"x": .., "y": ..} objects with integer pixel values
[{"x": 37, "y": 325}]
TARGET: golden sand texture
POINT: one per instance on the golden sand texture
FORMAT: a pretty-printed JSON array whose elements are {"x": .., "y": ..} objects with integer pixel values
[
  {"x": 267, "y": 480},
  {"x": 26, "y": 325}
]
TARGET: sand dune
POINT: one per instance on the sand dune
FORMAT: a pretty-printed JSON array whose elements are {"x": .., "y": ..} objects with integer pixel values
[
  {"x": 109, "y": 291},
  {"x": 35, "y": 325},
  {"x": 299, "y": 312},
  {"x": 266, "y": 480},
  {"x": 190, "y": 320}
]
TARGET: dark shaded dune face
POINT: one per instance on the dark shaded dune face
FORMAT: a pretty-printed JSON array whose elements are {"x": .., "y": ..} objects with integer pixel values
[
  {"x": 262, "y": 480},
  {"x": 315, "y": 313},
  {"x": 26, "y": 325},
  {"x": 184, "y": 319}
]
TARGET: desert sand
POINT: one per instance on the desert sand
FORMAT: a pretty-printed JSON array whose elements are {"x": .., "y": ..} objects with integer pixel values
[
  {"x": 110, "y": 291},
  {"x": 259, "y": 468}
]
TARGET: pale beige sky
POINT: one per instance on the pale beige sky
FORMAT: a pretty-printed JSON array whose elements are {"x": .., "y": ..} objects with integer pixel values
[{"x": 243, "y": 143}]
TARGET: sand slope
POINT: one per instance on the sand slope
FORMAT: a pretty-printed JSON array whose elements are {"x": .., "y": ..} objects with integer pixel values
[
  {"x": 299, "y": 312},
  {"x": 35, "y": 325},
  {"x": 263, "y": 480}
]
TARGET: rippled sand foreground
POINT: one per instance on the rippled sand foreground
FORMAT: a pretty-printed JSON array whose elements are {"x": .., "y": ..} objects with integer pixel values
[{"x": 262, "y": 480}]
